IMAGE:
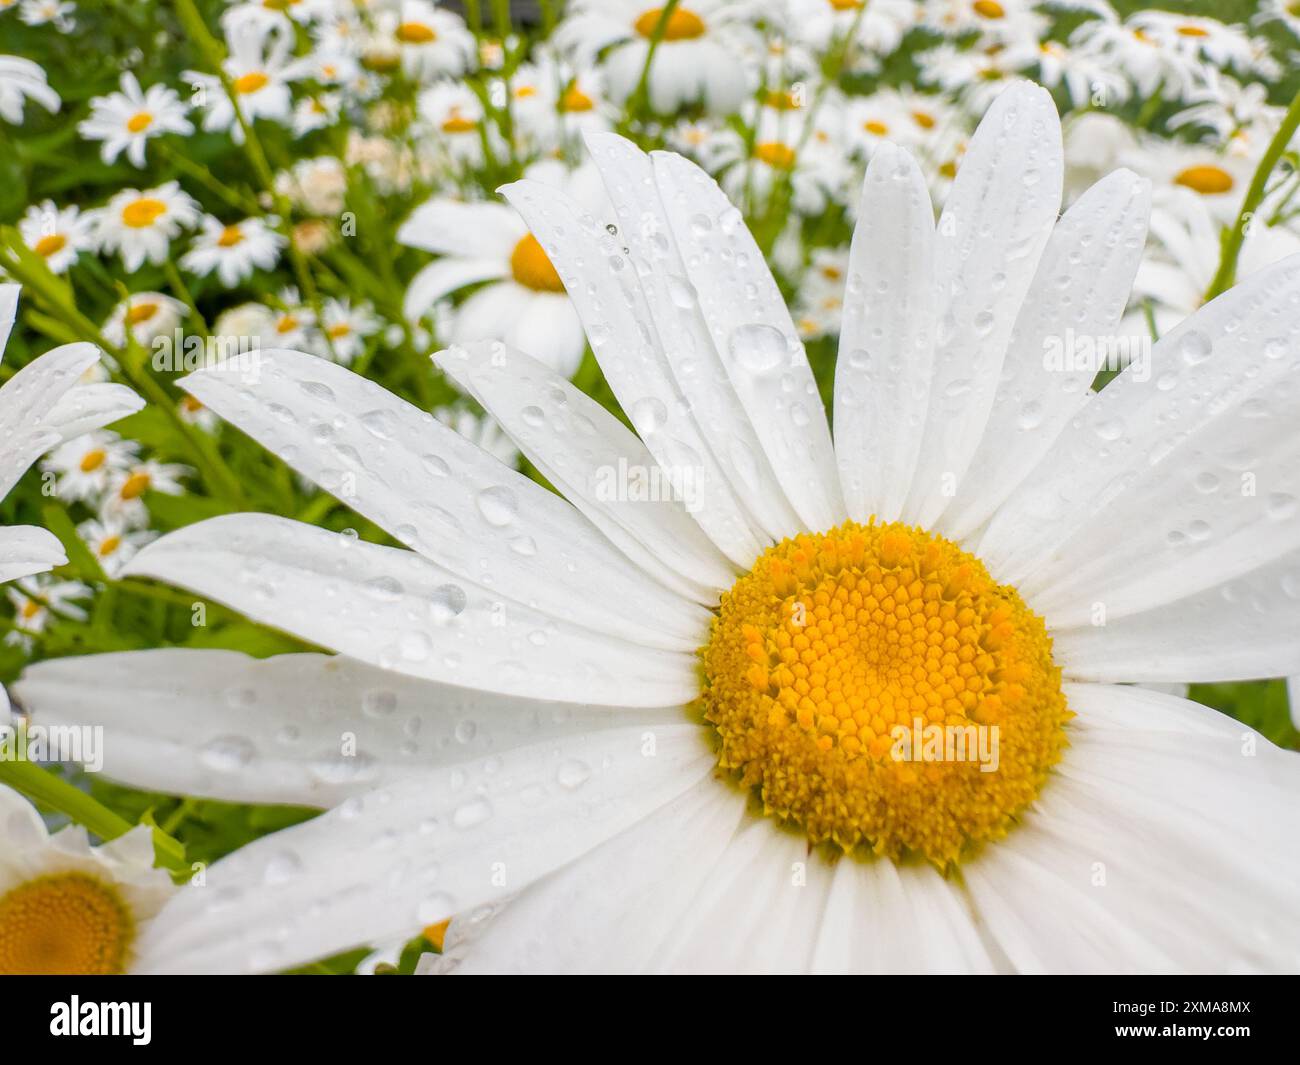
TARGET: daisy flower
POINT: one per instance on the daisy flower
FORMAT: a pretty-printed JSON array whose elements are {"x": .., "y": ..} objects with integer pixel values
[
  {"x": 126, "y": 120},
  {"x": 67, "y": 907},
  {"x": 259, "y": 69},
  {"x": 56, "y": 234},
  {"x": 147, "y": 315},
  {"x": 699, "y": 58},
  {"x": 22, "y": 80},
  {"x": 675, "y": 731},
  {"x": 123, "y": 496},
  {"x": 1184, "y": 257},
  {"x": 140, "y": 226},
  {"x": 1218, "y": 178},
  {"x": 347, "y": 326},
  {"x": 234, "y": 252},
  {"x": 1207, "y": 39},
  {"x": 42, "y": 405},
  {"x": 428, "y": 42},
  {"x": 881, "y": 24},
  {"x": 84, "y": 465},
  {"x": 56, "y": 13},
  {"x": 454, "y": 117},
  {"x": 36, "y": 600},
  {"x": 1148, "y": 60},
  {"x": 193, "y": 412},
  {"x": 525, "y": 297},
  {"x": 112, "y": 541},
  {"x": 996, "y": 21},
  {"x": 820, "y": 301}
]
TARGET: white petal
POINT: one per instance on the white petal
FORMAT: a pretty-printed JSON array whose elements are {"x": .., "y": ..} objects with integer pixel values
[
  {"x": 612, "y": 308},
  {"x": 1165, "y": 843},
  {"x": 443, "y": 276},
  {"x": 448, "y": 227},
  {"x": 1243, "y": 629},
  {"x": 90, "y": 406},
  {"x": 445, "y": 498},
  {"x": 589, "y": 456},
  {"x": 614, "y": 909},
  {"x": 684, "y": 340},
  {"x": 1079, "y": 292},
  {"x": 8, "y": 312},
  {"x": 395, "y": 609},
  {"x": 1144, "y": 497},
  {"x": 885, "y": 919},
  {"x": 27, "y": 399},
  {"x": 759, "y": 910},
  {"x": 755, "y": 336},
  {"x": 886, "y": 354},
  {"x": 995, "y": 224},
  {"x": 26, "y": 549},
  {"x": 386, "y": 864},
  {"x": 305, "y": 729}
]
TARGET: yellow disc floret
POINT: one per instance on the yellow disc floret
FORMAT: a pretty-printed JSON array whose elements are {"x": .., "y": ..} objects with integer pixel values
[
  {"x": 876, "y": 687},
  {"x": 65, "y": 923}
]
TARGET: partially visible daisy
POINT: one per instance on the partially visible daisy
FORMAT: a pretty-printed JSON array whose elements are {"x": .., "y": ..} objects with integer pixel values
[
  {"x": 39, "y": 598},
  {"x": 454, "y": 116},
  {"x": 84, "y": 466},
  {"x": 123, "y": 499},
  {"x": 319, "y": 185},
  {"x": 192, "y": 412},
  {"x": 259, "y": 70},
  {"x": 233, "y": 251},
  {"x": 428, "y": 41},
  {"x": 347, "y": 325},
  {"x": 21, "y": 80},
  {"x": 67, "y": 907},
  {"x": 140, "y": 226},
  {"x": 1219, "y": 178},
  {"x": 700, "y": 57},
  {"x": 480, "y": 242},
  {"x": 126, "y": 120},
  {"x": 147, "y": 315},
  {"x": 820, "y": 301},
  {"x": 56, "y": 234},
  {"x": 56, "y": 13},
  {"x": 113, "y": 541}
]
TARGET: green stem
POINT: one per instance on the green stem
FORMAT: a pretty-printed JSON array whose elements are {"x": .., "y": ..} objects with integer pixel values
[
  {"x": 1232, "y": 239},
  {"x": 640, "y": 95},
  {"x": 50, "y": 790}
]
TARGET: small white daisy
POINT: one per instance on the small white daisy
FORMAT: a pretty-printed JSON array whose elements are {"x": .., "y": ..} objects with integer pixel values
[
  {"x": 126, "y": 120},
  {"x": 347, "y": 325},
  {"x": 56, "y": 234},
  {"x": 113, "y": 541},
  {"x": 83, "y": 466},
  {"x": 140, "y": 226},
  {"x": 146, "y": 315},
  {"x": 234, "y": 252}
]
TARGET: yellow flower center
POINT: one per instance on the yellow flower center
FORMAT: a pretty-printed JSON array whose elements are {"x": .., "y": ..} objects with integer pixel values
[
  {"x": 457, "y": 123},
  {"x": 92, "y": 460},
  {"x": 144, "y": 212},
  {"x": 287, "y": 324},
  {"x": 574, "y": 99},
  {"x": 136, "y": 485},
  {"x": 776, "y": 154},
  {"x": 139, "y": 122},
  {"x": 47, "y": 246},
  {"x": 108, "y": 545},
  {"x": 1207, "y": 180},
  {"x": 876, "y": 687},
  {"x": 989, "y": 9},
  {"x": 1192, "y": 31},
  {"x": 30, "y": 609},
  {"x": 436, "y": 934},
  {"x": 846, "y": 5},
  {"x": 877, "y": 128},
  {"x": 338, "y": 331},
  {"x": 780, "y": 100},
  {"x": 531, "y": 267},
  {"x": 230, "y": 236},
  {"x": 682, "y": 25},
  {"x": 68, "y": 923},
  {"x": 251, "y": 82},
  {"x": 141, "y": 312},
  {"x": 923, "y": 119},
  {"x": 415, "y": 33}
]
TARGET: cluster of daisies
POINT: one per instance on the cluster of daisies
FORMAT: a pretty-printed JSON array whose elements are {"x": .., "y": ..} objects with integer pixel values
[{"x": 378, "y": 205}]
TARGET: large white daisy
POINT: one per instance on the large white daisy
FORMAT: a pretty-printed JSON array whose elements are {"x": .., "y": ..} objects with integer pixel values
[{"x": 620, "y": 733}]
